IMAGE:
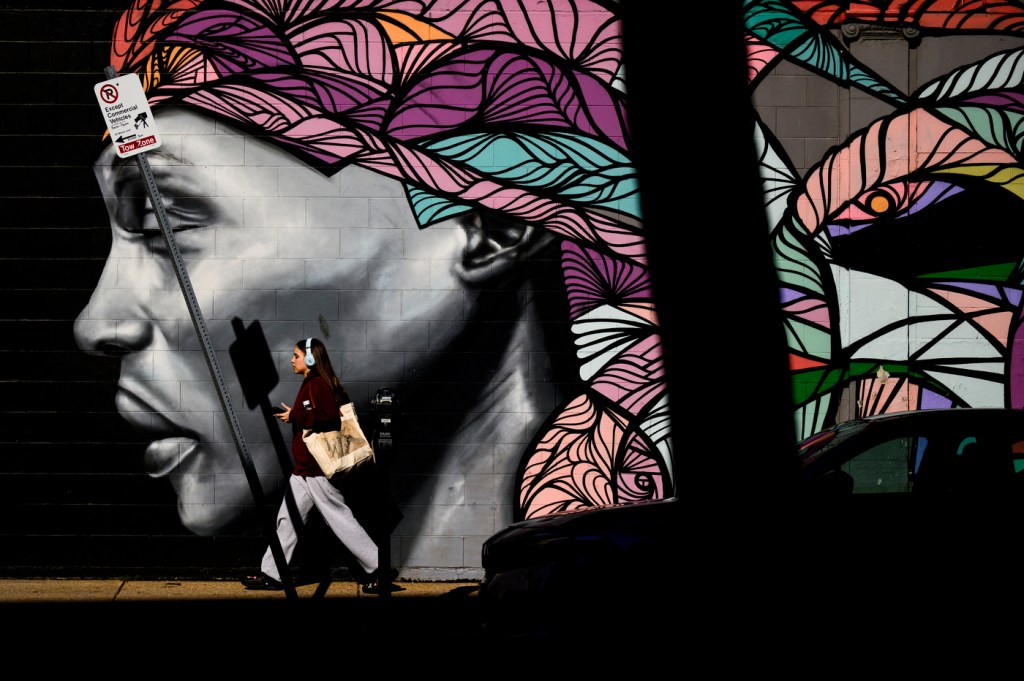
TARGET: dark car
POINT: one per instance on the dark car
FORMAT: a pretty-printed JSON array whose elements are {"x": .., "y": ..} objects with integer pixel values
[
  {"x": 920, "y": 508},
  {"x": 886, "y": 507},
  {"x": 569, "y": 573},
  {"x": 935, "y": 453}
]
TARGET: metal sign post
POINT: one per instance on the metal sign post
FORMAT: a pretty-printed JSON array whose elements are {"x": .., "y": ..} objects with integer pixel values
[{"x": 126, "y": 107}]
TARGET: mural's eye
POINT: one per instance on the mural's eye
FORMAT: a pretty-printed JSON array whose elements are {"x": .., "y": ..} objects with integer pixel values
[
  {"x": 138, "y": 216},
  {"x": 888, "y": 201},
  {"x": 880, "y": 203},
  {"x": 929, "y": 228},
  {"x": 183, "y": 208},
  {"x": 182, "y": 213}
]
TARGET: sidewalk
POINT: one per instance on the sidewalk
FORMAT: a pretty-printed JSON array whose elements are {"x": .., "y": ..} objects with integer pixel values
[
  {"x": 124, "y": 618},
  {"x": 118, "y": 591}
]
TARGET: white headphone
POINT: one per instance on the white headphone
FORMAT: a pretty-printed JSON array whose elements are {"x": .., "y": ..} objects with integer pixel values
[{"x": 309, "y": 353}]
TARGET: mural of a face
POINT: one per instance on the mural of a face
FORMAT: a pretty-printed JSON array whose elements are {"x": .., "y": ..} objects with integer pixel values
[
  {"x": 435, "y": 196},
  {"x": 266, "y": 238}
]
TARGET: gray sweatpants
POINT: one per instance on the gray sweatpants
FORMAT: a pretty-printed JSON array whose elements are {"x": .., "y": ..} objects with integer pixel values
[{"x": 320, "y": 493}]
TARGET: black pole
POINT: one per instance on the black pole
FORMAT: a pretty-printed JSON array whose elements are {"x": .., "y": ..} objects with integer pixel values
[{"x": 384, "y": 405}]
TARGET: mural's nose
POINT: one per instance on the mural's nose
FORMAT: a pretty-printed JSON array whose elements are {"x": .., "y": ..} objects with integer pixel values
[
  {"x": 105, "y": 326},
  {"x": 110, "y": 337}
]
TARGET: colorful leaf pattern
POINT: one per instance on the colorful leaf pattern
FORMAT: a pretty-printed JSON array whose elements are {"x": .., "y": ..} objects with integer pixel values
[{"x": 963, "y": 132}]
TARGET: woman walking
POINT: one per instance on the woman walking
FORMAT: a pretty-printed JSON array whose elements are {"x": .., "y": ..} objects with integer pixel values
[{"x": 316, "y": 408}]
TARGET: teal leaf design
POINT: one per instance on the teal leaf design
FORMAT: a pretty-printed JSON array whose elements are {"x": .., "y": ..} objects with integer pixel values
[{"x": 800, "y": 40}]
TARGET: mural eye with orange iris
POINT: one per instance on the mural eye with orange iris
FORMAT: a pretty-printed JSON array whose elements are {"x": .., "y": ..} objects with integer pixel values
[{"x": 880, "y": 203}]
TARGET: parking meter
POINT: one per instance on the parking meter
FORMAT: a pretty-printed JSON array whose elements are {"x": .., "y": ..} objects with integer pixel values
[
  {"x": 383, "y": 410},
  {"x": 383, "y": 407}
]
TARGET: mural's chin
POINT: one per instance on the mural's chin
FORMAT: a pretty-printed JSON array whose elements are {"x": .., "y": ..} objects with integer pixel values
[
  {"x": 209, "y": 501},
  {"x": 203, "y": 517}
]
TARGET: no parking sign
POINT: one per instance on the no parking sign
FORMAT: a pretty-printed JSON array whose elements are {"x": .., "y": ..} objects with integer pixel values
[{"x": 129, "y": 118}]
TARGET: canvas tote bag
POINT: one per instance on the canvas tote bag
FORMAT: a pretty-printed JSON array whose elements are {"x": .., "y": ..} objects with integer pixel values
[{"x": 340, "y": 451}]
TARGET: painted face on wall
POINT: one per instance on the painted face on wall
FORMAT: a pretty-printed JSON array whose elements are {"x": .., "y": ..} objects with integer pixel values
[
  {"x": 264, "y": 237},
  {"x": 524, "y": 304}
]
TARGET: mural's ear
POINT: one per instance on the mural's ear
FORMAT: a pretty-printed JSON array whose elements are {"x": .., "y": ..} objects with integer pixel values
[{"x": 495, "y": 244}]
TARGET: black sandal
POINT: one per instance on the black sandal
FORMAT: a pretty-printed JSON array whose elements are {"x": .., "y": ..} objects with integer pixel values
[
  {"x": 373, "y": 586},
  {"x": 261, "y": 582}
]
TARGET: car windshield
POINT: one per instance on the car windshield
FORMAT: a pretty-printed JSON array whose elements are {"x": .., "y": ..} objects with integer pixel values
[
  {"x": 928, "y": 452},
  {"x": 811, "y": 449}
]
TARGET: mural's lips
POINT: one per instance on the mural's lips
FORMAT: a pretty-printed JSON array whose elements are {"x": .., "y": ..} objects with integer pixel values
[
  {"x": 171, "y": 446},
  {"x": 163, "y": 456},
  {"x": 142, "y": 415}
]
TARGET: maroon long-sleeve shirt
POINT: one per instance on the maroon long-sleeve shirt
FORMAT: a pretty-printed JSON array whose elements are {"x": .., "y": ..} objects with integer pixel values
[{"x": 314, "y": 408}]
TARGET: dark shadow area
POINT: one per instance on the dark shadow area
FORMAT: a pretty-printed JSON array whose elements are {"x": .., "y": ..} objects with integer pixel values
[
  {"x": 717, "y": 299},
  {"x": 449, "y": 626}
]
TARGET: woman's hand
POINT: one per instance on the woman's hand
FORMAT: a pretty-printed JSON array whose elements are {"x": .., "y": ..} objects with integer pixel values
[{"x": 285, "y": 415}]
